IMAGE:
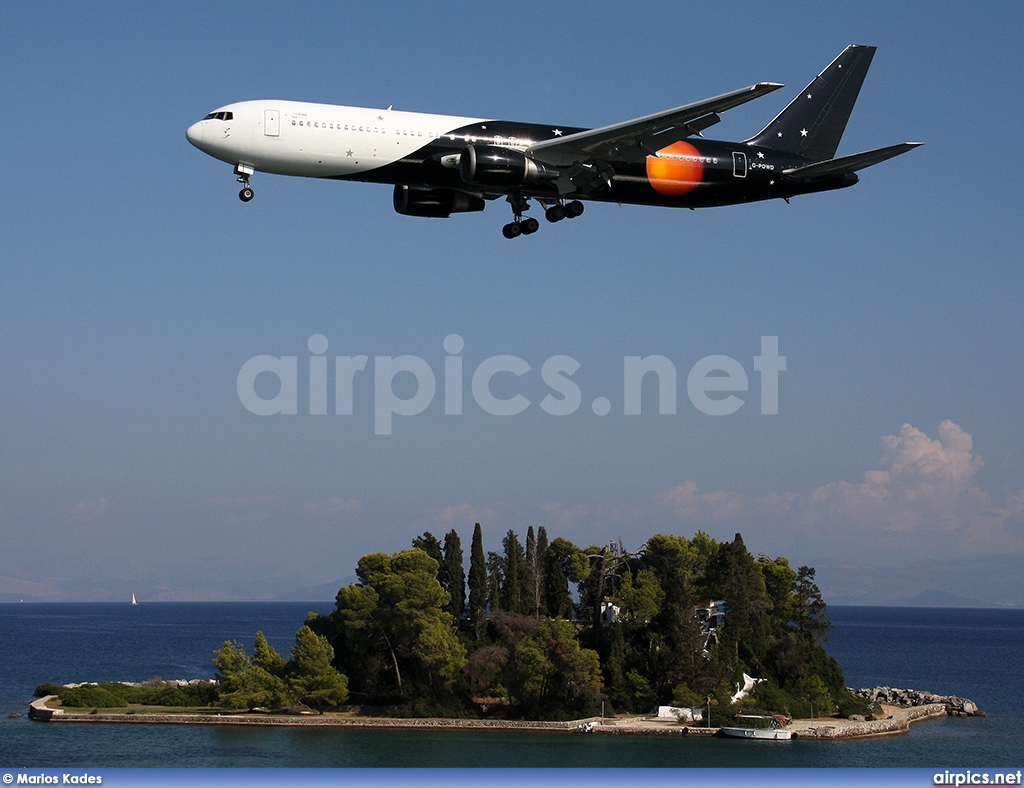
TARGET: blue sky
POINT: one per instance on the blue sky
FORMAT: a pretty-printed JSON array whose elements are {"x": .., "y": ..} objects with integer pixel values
[{"x": 135, "y": 286}]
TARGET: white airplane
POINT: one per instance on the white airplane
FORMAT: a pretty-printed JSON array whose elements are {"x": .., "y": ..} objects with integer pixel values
[{"x": 443, "y": 164}]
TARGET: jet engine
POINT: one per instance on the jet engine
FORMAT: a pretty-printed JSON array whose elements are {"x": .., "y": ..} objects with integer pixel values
[
  {"x": 490, "y": 165},
  {"x": 434, "y": 203}
]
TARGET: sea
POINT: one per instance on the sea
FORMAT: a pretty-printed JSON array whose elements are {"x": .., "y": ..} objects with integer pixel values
[{"x": 973, "y": 653}]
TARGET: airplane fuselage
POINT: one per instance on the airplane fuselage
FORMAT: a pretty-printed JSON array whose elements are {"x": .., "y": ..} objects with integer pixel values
[
  {"x": 423, "y": 150},
  {"x": 444, "y": 164}
]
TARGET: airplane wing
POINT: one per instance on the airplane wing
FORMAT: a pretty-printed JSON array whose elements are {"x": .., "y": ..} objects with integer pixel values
[
  {"x": 846, "y": 164},
  {"x": 633, "y": 140}
]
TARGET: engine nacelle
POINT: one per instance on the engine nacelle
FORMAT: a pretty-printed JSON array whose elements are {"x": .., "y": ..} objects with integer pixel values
[
  {"x": 434, "y": 203},
  {"x": 491, "y": 165}
]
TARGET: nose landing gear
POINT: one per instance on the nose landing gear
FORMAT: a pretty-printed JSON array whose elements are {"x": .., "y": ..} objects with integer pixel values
[
  {"x": 243, "y": 171},
  {"x": 519, "y": 226}
]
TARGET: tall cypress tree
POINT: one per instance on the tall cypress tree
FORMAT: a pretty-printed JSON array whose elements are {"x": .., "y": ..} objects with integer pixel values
[
  {"x": 477, "y": 583},
  {"x": 495, "y": 581},
  {"x": 453, "y": 576},
  {"x": 531, "y": 602},
  {"x": 540, "y": 572},
  {"x": 513, "y": 596}
]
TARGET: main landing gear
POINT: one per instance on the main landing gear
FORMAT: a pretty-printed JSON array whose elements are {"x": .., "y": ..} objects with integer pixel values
[
  {"x": 554, "y": 212},
  {"x": 243, "y": 171},
  {"x": 559, "y": 211}
]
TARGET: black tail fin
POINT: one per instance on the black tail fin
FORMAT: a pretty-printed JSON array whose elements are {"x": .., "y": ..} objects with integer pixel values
[{"x": 813, "y": 123}]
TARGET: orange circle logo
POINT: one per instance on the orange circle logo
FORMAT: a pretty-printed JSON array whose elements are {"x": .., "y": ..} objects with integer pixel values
[{"x": 676, "y": 170}]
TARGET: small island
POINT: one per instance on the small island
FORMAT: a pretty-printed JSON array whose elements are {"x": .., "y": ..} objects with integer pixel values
[{"x": 682, "y": 624}]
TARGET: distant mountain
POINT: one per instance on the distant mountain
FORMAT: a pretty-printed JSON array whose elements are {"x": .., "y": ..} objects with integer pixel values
[
  {"x": 935, "y": 597},
  {"x": 324, "y": 592},
  {"x": 967, "y": 581}
]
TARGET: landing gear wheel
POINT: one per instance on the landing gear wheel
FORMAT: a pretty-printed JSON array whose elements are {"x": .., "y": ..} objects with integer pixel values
[
  {"x": 512, "y": 230},
  {"x": 246, "y": 194},
  {"x": 573, "y": 209},
  {"x": 529, "y": 226},
  {"x": 555, "y": 213}
]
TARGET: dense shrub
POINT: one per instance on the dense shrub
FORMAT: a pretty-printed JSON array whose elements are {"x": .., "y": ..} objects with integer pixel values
[
  {"x": 90, "y": 696},
  {"x": 850, "y": 704},
  {"x": 111, "y": 694},
  {"x": 48, "y": 689}
]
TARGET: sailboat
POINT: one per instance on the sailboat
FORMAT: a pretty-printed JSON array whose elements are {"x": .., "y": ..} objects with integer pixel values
[{"x": 133, "y": 600}]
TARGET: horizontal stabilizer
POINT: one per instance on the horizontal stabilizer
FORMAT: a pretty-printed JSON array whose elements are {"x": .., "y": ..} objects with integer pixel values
[{"x": 847, "y": 164}]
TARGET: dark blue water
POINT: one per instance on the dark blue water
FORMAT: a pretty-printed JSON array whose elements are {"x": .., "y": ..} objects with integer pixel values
[{"x": 972, "y": 653}]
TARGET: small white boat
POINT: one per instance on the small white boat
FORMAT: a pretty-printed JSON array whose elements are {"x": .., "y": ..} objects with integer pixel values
[
  {"x": 757, "y": 726},
  {"x": 133, "y": 600}
]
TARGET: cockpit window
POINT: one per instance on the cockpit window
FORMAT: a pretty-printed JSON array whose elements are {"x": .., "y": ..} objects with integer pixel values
[{"x": 220, "y": 116}]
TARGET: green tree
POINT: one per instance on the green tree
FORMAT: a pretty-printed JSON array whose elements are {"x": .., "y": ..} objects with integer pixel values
[
  {"x": 673, "y": 642},
  {"x": 452, "y": 576},
  {"x": 513, "y": 588},
  {"x": 428, "y": 544},
  {"x": 495, "y": 581},
  {"x": 531, "y": 587},
  {"x": 243, "y": 684},
  {"x": 477, "y": 584},
  {"x": 808, "y": 606},
  {"x": 640, "y": 598},
  {"x": 264, "y": 656},
  {"x": 779, "y": 578},
  {"x": 232, "y": 663},
  {"x": 312, "y": 677},
  {"x": 740, "y": 583},
  {"x": 572, "y": 680},
  {"x": 564, "y": 563},
  {"x": 397, "y": 610},
  {"x": 540, "y": 568}
]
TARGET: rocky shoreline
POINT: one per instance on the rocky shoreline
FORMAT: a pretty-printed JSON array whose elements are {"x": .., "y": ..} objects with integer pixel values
[
  {"x": 907, "y": 698},
  {"x": 897, "y": 709}
]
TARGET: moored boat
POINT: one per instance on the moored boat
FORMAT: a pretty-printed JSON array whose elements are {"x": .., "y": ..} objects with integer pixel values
[{"x": 758, "y": 726}]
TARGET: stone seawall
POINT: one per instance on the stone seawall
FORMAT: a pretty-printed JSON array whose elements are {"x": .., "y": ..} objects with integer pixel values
[
  {"x": 899, "y": 722},
  {"x": 324, "y": 720},
  {"x": 910, "y": 706}
]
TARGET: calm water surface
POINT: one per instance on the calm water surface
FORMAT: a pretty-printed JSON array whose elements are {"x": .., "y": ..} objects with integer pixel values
[{"x": 972, "y": 653}]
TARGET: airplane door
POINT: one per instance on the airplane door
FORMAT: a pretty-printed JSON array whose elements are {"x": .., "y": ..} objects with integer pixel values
[
  {"x": 739, "y": 164},
  {"x": 272, "y": 123}
]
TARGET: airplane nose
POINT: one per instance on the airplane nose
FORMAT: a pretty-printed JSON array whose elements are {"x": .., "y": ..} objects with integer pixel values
[{"x": 194, "y": 133}]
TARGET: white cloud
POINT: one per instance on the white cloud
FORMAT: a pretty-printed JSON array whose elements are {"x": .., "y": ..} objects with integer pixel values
[
  {"x": 90, "y": 510},
  {"x": 464, "y": 514},
  {"x": 924, "y": 484},
  {"x": 923, "y": 490},
  {"x": 334, "y": 507},
  {"x": 688, "y": 504}
]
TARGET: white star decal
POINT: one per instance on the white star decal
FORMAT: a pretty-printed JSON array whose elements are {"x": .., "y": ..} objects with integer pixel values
[
  {"x": 780, "y": 135},
  {"x": 556, "y": 132},
  {"x": 760, "y": 155},
  {"x": 771, "y": 183},
  {"x": 808, "y": 95},
  {"x": 803, "y": 132}
]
